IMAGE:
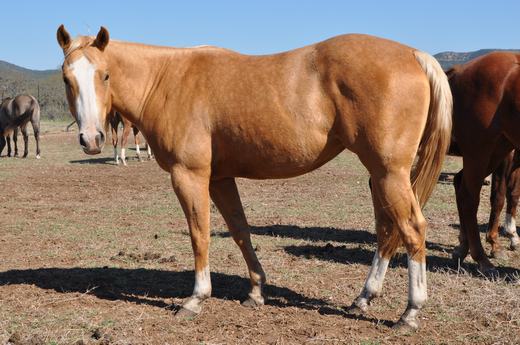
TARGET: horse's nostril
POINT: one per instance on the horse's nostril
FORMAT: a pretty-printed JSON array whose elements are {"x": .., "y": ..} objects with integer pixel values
[{"x": 82, "y": 141}]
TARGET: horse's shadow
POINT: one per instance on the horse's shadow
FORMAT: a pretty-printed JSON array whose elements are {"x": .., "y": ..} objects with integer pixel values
[
  {"x": 152, "y": 286},
  {"x": 102, "y": 160},
  {"x": 360, "y": 255}
]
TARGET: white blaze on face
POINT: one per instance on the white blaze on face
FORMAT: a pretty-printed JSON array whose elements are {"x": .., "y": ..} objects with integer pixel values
[{"x": 86, "y": 100}]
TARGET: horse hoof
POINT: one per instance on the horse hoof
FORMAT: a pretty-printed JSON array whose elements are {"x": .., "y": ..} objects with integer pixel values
[
  {"x": 458, "y": 256},
  {"x": 184, "y": 313},
  {"x": 38, "y": 157},
  {"x": 406, "y": 326},
  {"x": 252, "y": 303},
  {"x": 356, "y": 310},
  {"x": 490, "y": 272},
  {"x": 499, "y": 254}
]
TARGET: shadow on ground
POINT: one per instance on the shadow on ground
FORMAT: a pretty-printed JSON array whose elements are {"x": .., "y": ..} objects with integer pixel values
[
  {"x": 151, "y": 287},
  {"x": 361, "y": 255},
  {"x": 102, "y": 160}
]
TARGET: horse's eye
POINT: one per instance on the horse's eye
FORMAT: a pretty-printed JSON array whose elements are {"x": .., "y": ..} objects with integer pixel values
[{"x": 107, "y": 77}]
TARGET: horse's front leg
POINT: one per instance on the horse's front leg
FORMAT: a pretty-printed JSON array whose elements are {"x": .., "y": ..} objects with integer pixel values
[
  {"x": 192, "y": 189},
  {"x": 224, "y": 194}
]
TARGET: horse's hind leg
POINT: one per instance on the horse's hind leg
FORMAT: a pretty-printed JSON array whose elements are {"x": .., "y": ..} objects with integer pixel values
[
  {"x": 224, "y": 194},
  {"x": 8, "y": 139},
  {"x": 113, "y": 125},
  {"x": 388, "y": 240},
  {"x": 497, "y": 199},
  {"x": 15, "y": 140},
  {"x": 513, "y": 194},
  {"x": 36, "y": 129},
  {"x": 124, "y": 140},
  {"x": 398, "y": 201},
  {"x": 149, "y": 151},
  {"x": 2, "y": 143},
  {"x": 136, "y": 140},
  {"x": 26, "y": 142}
]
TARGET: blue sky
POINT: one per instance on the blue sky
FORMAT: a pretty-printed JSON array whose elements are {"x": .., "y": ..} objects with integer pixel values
[{"x": 256, "y": 27}]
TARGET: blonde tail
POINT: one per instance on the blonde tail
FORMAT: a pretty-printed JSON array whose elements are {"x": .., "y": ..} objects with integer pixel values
[{"x": 437, "y": 133}]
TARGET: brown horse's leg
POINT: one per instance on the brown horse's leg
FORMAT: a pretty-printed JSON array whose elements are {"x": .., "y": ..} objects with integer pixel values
[
  {"x": 497, "y": 199},
  {"x": 35, "y": 123},
  {"x": 25, "y": 141},
  {"x": 124, "y": 140},
  {"x": 114, "y": 123},
  {"x": 8, "y": 138},
  {"x": 388, "y": 240},
  {"x": 192, "y": 189},
  {"x": 224, "y": 194},
  {"x": 462, "y": 250},
  {"x": 15, "y": 140},
  {"x": 468, "y": 197},
  {"x": 476, "y": 168},
  {"x": 136, "y": 140},
  {"x": 513, "y": 194},
  {"x": 2, "y": 143}
]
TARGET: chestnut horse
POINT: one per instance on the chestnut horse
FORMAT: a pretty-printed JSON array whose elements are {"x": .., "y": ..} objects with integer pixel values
[
  {"x": 505, "y": 185},
  {"x": 114, "y": 118},
  {"x": 211, "y": 115},
  {"x": 486, "y": 128}
]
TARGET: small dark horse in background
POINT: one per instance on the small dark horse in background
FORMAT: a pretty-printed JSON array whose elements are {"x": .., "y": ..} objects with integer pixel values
[
  {"x": 486, "y": 128},
  {"x": 16, "y": 113},
  {"x": 505, "y": 185}
]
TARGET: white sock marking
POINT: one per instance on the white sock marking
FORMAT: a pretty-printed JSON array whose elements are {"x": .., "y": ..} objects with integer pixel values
[
  {"x": 202, "y": 283},
  {"x": 376, "y": 276},
  {"x": 417, "y": 288}
]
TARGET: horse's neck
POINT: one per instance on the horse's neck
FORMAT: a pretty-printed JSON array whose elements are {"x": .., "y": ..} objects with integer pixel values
[{"x": 135, "y": 71}]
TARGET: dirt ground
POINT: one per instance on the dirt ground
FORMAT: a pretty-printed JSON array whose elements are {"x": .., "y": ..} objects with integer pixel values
[{"x": 94, "y": 253}]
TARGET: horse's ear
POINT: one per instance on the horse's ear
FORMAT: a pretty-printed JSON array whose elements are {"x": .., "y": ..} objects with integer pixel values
[
  {"x": 102, "y": 39},
  {"x": 63, "y": 38}
]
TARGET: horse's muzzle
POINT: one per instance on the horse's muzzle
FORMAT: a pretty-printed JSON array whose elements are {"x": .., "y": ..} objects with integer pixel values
[{"x": 92, "y": 142}]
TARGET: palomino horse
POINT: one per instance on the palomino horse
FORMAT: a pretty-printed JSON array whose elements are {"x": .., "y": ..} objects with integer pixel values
[
  {"x": 114, "y": 118},
  {"x": 486, "y": 127},
  {"x": 505, "y": 185},
  {"x": 17, "y": 112},
  {"x": 211, "y": 115}
]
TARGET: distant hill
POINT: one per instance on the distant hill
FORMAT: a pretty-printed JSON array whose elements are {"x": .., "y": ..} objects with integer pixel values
[
  {"x": 48, "y": 85},
  {"x": 448, "y": 59}
]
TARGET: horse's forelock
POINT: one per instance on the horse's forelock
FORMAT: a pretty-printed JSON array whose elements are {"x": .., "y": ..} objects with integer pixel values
[{"x": 78, "y": 43}]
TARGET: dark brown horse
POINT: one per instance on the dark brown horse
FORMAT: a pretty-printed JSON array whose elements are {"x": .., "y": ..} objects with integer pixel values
[
  {"x": 16, "y": 113},
  {"x": 505, "y": 186},
  {"x": 486, "y": 128},
  {"x": 211, "y": 115}
]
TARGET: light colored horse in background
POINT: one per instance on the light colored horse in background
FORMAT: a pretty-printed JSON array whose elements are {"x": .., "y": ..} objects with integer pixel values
[
  {"x": 16, "y": 113},
  {"x": 114, "y": 118},
  {"x": 211, "y": 115}
]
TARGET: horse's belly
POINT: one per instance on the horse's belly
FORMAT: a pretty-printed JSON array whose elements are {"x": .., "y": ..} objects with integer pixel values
[{"x": 267, "y": 160}]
